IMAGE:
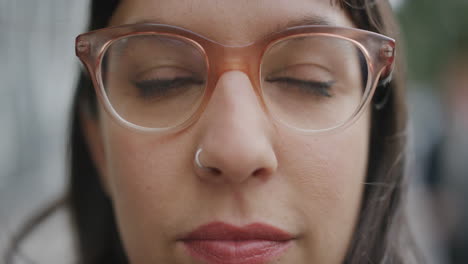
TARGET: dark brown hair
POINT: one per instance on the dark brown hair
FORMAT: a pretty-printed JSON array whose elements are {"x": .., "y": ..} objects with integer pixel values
[{"x": 381, "y": 234}]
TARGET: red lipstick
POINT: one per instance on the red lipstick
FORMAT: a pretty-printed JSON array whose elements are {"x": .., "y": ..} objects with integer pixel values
[{"x": 220, "y": 243}]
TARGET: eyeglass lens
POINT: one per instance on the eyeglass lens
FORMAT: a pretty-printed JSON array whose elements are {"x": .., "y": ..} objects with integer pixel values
[{"x": 309, "y": 82}]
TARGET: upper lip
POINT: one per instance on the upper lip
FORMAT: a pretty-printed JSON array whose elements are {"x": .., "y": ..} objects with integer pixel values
[{"x": 224, "y": 231}]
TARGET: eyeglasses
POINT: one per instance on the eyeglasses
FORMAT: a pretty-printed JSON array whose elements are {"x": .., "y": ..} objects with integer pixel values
[{"x": 155, "y": 77}]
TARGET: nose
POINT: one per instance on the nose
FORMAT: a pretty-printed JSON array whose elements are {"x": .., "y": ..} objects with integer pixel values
[{"x": 236, "y": 134}]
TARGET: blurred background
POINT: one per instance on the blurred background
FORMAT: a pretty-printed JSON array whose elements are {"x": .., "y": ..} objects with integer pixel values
[{"x": 38, "y": 71}]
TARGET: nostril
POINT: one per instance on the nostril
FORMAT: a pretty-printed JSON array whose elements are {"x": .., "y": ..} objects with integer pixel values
[
  {"x": 215, "y": 171},
  {"x": 260, "y": 172}
]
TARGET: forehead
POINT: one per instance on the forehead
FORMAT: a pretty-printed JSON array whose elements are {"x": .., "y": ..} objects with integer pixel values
[{"x": 231, "y": 21}]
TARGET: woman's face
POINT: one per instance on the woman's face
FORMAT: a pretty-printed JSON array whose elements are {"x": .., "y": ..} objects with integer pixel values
[{"x": 268, "y": 177}]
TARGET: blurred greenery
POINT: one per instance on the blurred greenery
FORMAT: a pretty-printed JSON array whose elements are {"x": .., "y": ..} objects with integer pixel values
[{"x": 433, "y": 31}]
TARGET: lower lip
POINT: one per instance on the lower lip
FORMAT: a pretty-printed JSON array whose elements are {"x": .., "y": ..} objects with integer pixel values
[{"x": 236, "y": 252}]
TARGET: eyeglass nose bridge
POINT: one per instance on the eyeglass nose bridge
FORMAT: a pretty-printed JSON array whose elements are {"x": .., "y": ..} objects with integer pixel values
[{"x": 246, "y": 59}]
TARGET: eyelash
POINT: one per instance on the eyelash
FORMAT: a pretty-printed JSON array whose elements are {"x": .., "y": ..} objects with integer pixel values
[
  {"x": 161, "y": 87},
  {"x": 315, "y": 87}
]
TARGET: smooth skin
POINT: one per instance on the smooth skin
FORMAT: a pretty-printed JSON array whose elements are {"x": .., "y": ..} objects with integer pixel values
[{"x": 308, "y": 185}]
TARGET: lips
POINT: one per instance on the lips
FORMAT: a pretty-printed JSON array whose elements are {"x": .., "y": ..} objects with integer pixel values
[{"x": 220, "y": 243}]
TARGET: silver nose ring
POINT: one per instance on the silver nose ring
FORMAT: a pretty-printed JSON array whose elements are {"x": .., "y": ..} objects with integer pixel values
[{"x": 197, "y": 159}]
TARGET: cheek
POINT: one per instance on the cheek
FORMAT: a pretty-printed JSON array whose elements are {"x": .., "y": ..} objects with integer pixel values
[
  {"x": 326, "y": 174},
  {"x": 148, "y": 183}
]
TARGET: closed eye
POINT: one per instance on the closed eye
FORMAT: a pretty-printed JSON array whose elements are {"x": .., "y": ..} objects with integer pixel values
[
  {"x": 159, "y": 88},
  {"x": 314, "y": 87}
]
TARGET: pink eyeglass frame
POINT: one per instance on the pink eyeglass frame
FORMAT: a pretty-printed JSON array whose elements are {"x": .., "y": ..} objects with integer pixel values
[{"x": 379, "y": 52}]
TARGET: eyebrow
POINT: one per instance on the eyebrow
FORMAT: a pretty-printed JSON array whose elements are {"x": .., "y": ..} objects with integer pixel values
[
  {"x": 303, "y": 21},
  {"x": 309, "y": 20},
  {"x": 306, "y": 20}
]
